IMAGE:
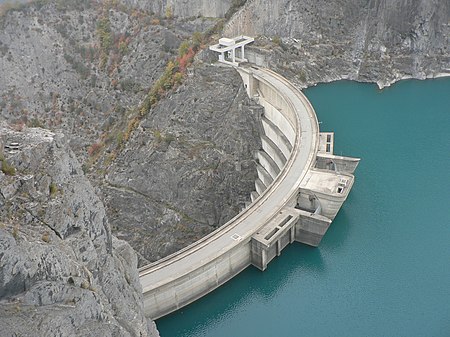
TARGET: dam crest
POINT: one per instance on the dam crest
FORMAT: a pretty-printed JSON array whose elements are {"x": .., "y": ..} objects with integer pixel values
[{"x": 300, "y": 188}]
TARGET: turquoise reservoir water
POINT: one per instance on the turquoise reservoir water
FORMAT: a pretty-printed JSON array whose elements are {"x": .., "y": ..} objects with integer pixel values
[{"x": 383, "y": 268}]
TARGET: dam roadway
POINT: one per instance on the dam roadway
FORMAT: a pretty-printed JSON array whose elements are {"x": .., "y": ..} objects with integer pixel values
[{"x": 181, "y": 278}]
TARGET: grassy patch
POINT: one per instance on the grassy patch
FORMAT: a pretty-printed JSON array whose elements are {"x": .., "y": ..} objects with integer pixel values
[
  {"x": 164, "y": 137},
  {"x": 105, "y": 38},
  {"x": 7, "y": 168},
  {"x": 277, "y": 40},
  {"x": 15, "y": 232},
  {"x": 302, "y": 76},
  {"x": 53, "y": 189}
]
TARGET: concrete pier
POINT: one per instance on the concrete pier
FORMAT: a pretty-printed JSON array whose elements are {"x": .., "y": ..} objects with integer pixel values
[{"x": 300, "y": 187}]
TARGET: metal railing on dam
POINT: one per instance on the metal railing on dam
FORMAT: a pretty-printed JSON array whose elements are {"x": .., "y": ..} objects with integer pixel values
[{"x": 270, "y": 222}]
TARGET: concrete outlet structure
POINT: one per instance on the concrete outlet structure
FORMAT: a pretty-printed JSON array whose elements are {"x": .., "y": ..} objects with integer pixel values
[{"x": 300, "y": 188}]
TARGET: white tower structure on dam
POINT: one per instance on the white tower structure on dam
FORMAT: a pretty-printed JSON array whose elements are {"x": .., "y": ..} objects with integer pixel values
[
  {"x": 300, "y": 188},
  {"x": 232, "y": 51}
]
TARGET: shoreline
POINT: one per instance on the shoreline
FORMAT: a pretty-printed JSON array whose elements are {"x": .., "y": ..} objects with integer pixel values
[{"x": 381, "y": 85}]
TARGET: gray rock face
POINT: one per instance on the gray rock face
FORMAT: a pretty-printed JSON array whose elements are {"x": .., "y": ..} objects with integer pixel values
[
  {"x": 57, "y": 73},
  {"x": 53, "y": 76},
  {"x": 184, "y": 8},
  {"x": 378, "y": 40},
  {"x": 62, "y": 273},
  {"x": 188, "y": 168}
]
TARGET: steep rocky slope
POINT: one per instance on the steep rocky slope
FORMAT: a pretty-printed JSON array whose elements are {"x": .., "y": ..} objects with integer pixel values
[
  {"x": 84, "y": 68},
  {"x": 80, "y": 66},
  {"x": 62, "y": 273},
  {"x": 188, "y": 167},
  {"x": 184, "y": 8},
  {"x": 367, "y": 40}
]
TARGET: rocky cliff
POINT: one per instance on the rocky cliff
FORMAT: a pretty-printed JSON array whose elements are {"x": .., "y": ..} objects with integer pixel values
[
  {"x": 62, "y": 273},
  {"x": 81, "y": 66},
  {"x": 84, "y": 67},
  {"x": 366, "y": 40},
  {"x": 184, "y": 8},
  {"x": 189, "y": 166}
]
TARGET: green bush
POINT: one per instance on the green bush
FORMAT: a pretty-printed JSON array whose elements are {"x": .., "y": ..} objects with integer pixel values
[
  {"x": 123, "y": 47},
  {"x": 197, "y": 40},
  {"x": 276, "y": 40},
  {"x": 178, "y": 78},
  {"x": 169, "y": 12},
  {"x": 169, "y": 138},
  {"x": 53, "y": 189},
  {"x": 183, "y": 49},
  {"x": 158, "y": 136},
  {"x": 119, "y": 139},
  {"x": 104, "y": 34},
  {"x": 35, "y": 123},
  {"x": 302, "y": 75},
  {"x": 7, "y": 168}
]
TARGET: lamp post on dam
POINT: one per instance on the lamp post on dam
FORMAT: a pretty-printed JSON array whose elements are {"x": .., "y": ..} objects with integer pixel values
[{"x": 300, "y": 188}]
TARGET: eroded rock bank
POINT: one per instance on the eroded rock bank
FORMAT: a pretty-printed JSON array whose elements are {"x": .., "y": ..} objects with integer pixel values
[
  {"x": 62, "y": 273},
  {"x": 379, "y": 41}
]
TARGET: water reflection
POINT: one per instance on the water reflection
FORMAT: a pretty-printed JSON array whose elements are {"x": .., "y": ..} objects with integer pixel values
[
  {"x": 339, "y": 231},
  {"x": 252, "y": 285},
  {"x": 296, "y": 260}
]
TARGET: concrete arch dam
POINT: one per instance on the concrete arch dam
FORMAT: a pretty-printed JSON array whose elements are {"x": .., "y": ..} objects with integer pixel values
[{"x": 300, "y": 188}]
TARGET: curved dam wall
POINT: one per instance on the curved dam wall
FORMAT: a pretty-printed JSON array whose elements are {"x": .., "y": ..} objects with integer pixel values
[
  {"x": 279, "y": 122},
  {"x": 290, "y": 146}
]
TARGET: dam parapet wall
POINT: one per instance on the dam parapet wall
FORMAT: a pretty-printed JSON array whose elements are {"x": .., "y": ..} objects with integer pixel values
[{"x": 295, "y": 199}]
